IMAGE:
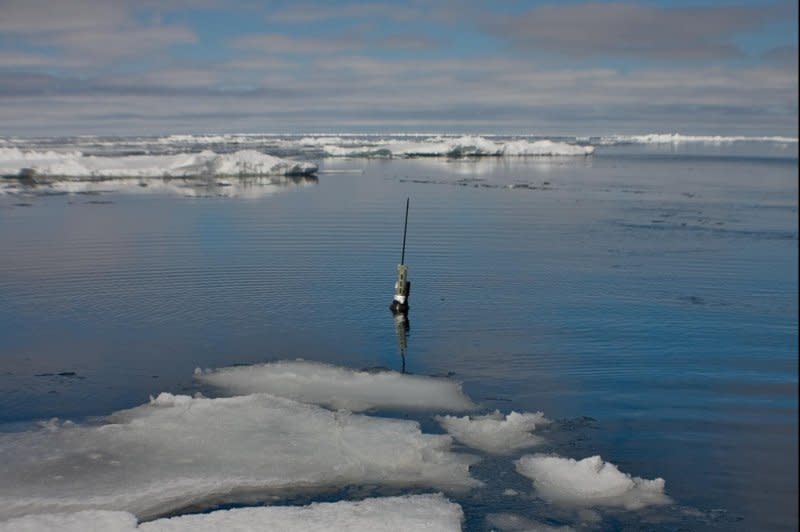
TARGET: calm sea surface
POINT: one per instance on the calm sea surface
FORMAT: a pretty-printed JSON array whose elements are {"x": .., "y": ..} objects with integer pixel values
[{"x": 645, "y": 297}]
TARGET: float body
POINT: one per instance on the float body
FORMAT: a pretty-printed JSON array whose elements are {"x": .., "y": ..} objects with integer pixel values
[{"x": 402, "y": 289}]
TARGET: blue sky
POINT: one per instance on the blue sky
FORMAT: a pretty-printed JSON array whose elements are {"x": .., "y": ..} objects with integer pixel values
[{"x": 539, "y": 67}]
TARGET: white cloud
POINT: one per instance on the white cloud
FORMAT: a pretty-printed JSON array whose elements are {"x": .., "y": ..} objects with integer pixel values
[
  {"x": 23, "y": 59},
  {"x": 279, "y": 81},
  {"x": 275, "y": 43},
  {"x": 593, "y": 29},
  {"x": 45, "y": 17},
  {"x": 88, "y": 33},
  {"x": 305, "y": 12}
]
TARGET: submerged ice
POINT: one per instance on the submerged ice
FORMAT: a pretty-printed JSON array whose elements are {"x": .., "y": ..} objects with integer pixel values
[
  {"x": 507, "y": 522},
  {"x": 179, "y": 451},
  {"x": 395, "y": 514},
  {"x": 589, "y": 482},
  {"x": 340, "y": 388}
]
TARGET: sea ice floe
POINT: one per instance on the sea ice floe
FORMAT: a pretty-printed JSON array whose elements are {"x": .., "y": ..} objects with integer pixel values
[
  {"x": 340, "y": 388},
  {"x": 589, "y": 482},
  {"x": 179, "y": 451},
  {"x": 457, "y": 147},
  {"x": 14, "y": 161},
  {"x": 396, "y": 514},
  {"x": 495, "y": 433}
]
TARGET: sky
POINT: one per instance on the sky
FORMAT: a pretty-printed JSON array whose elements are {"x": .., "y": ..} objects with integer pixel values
[{"x": 132, "y": 67}]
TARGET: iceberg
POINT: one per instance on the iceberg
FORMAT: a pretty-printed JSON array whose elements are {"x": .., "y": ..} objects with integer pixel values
[
  {"x": 339, "y": 388},
  {"x": 179, "y": 452},
  {"x": 589, "y": 482},
  {"x": 385, "y": 514}
]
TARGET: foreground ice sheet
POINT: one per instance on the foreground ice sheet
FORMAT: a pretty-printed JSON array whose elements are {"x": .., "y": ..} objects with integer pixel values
[
  {"x": 179, "y": 451},
  {"x": 495, "y": 433},
  {"x": 457, "y": 147},
  {"x": 14, "y": 161},
  {"x": 416, "y": 512},
  {"x": 338, "y": 387},
  {"x": 589, "y": 482}
]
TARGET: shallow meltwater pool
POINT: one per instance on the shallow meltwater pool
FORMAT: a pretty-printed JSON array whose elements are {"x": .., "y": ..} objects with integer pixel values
[{"x": 603, "y": 341}]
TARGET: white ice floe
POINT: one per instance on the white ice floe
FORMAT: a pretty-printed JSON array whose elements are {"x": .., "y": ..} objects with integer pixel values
[
  {"x": 338, "y": 387},
  {"x": 589, "y": 482},
  {"x": 457, "y": 147},
  {"x": 178, "y": 451},
  {"x": 388, "y": 514},
  {"x": 14, "y": 161},
  {"x": 677, "y": 138},
  {"x": 495, "y": 433}
]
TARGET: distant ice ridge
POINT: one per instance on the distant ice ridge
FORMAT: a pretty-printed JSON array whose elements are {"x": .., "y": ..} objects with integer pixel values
[
  {"x": 589, "y": 482},
  {"x": 237, "y": 138},
  {"x": 387, "y": 514},
  {"x": 494, "y": 433},
  {"x": 13, "y": 161},
  {"x": 340, "y": 388},
  {"x": 677, "y": 138},
  {"x": 179, "y": 451},
  {"x": 468, "y": 146}
]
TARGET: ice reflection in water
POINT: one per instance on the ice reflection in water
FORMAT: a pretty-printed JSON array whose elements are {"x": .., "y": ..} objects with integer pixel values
[{"x": 222, "y": 186}]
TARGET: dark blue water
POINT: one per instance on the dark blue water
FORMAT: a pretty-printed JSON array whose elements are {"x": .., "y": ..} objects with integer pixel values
[{"x": 651, "y": 290}]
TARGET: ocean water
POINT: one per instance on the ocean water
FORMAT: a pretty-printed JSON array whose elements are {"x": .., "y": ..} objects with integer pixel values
[{"x": 644, "y": 297}]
